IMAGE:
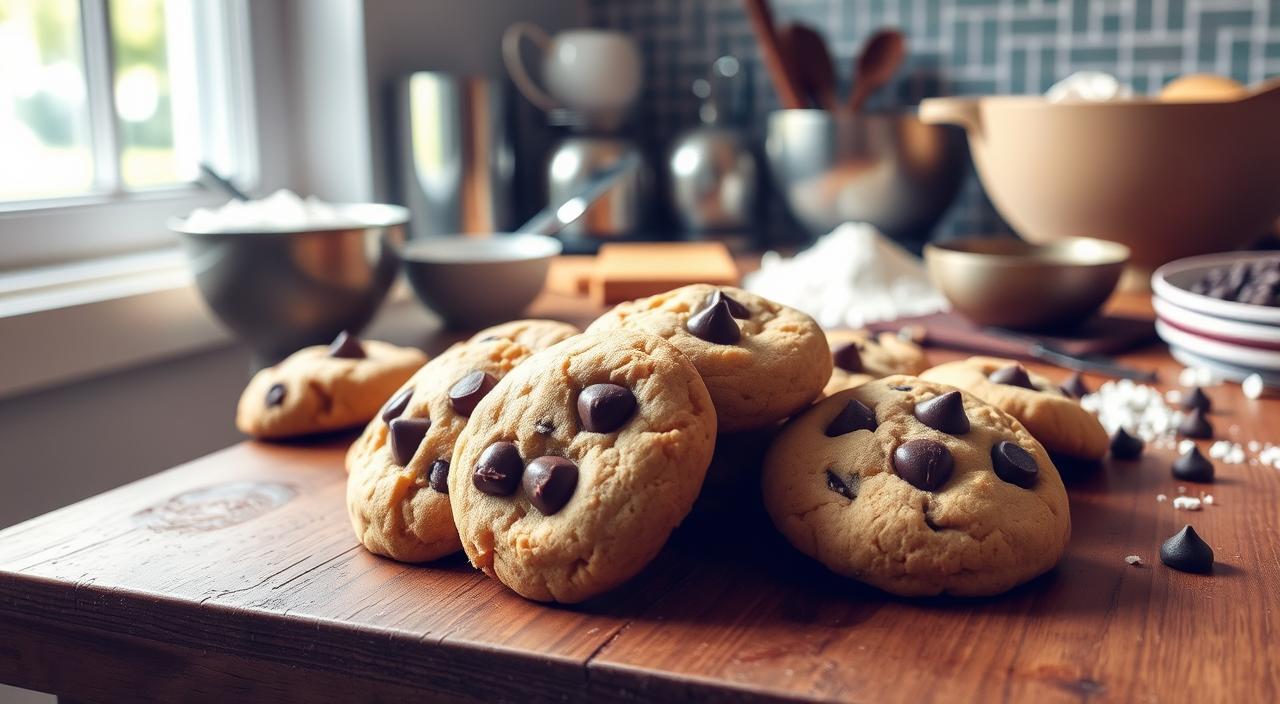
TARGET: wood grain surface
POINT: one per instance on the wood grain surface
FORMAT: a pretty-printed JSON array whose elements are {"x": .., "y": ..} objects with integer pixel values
[{"x": 237, "y": 577}]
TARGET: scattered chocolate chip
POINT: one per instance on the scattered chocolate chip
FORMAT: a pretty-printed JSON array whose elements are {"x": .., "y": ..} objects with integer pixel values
[
  {"x": 846, "y": 357},
  {"x": 1014, "y": 464},
  {"x": 603, "y": 408},
  {"x": 1012, "y": 375},
  {"x": 275, "y": 395},
  {"x": 1196, "y": 398},
  {"x": 395, "y": 407},
  {"x": 925, "y": 464},
  {"x": 549, "y": 483},
  {"x": 346, "y": 346},
  {"x": 1075, "y": 387},
  {"x": 439, "y": 477},
  {"x": 466, "y": 392},
  {"x": 498, "y": 470},
  {"x": 544, "y": 427},
  {"x": 1125, "y": 446},
  {"x": 406, "y": 435},
  {"x": 1195, "y": 425},
  {"x": 736, "y": 309},
  {"x": 900, "y": 388},
  {"x": 1192, "y": 466},
  {"x": 1187, "y": 552},
  {"x": 838, "y": 485},
  {"x": 715, "y": 324},
  {"x": 944, "y": 413},
  {"x": 854, "y": 416}
]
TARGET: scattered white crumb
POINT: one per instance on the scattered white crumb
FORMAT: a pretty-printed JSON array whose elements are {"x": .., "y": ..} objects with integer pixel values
[
  {"x": 1186, "y": 503},
  {"x": 1253, "y": 386},
  {"x": 1207, "y": 499},
  {"x": 1198, "y": 376},
  {"x": 1173, "y": 396},
  {"x": 1161, "y": 498},
  {"x": 1227, "y": 451},
  {"x": 1254, "y": 446},
  {"x": 1133, "y": 560},
  {"x": 1139, "y": 409},
  {"x": 1182, "y": 490},
  {"x": 1185, "y": 446}
]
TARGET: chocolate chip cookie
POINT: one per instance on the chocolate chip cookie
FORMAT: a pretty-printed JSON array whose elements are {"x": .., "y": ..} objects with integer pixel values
[
  {"x": 859, "y": 356},
  {"x": 761, "y": 360},
  {"x": 1055, "y": 419},
  {"x": 577, "y": 466},
  {"x": 397, "y": 487},
  {"x": 917, "y": 488},
  {"x": 537, "y": 335},
  {"x": 319, "y": 389}
]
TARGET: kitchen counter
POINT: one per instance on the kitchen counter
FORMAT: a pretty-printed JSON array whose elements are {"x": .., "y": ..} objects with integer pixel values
[{"x": 236, "y": 577}]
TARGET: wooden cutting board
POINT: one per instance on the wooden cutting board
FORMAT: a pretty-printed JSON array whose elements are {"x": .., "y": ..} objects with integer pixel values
[{"x": 621, "y": 272}]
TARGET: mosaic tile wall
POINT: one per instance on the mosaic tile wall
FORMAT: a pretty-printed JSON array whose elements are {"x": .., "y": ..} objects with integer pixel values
[{"x": 957, "y": 47}]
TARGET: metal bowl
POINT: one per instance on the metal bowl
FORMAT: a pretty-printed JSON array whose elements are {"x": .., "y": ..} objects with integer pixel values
[
  {"x": 283, "y": 290},
  {"x": 1016, "y": 284},
  {"x": 889, "y": 170}
]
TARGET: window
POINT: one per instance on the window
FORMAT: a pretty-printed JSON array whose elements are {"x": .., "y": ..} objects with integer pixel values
[{"x": 114, "y": 104}]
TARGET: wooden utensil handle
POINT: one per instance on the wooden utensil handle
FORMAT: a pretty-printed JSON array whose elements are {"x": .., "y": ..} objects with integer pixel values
[{"x": 775, "y": 60}]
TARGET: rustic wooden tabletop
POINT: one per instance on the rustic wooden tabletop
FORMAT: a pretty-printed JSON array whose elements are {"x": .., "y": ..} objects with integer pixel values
[{"x": 237, "y": 577}]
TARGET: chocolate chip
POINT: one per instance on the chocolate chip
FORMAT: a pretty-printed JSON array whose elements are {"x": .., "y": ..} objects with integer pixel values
[
  {"x": 1125, "y": 446},
  {"x": 439, "y": 477},
  {"x": 1012, "y": 375},
  {"x": 736, "y": 309},
  {"x": 498, "y": 470},
  {"x": 346, "y": 346},
  {"x": 406, "y": 435},
  {"x": 1196, "y": 398},
  {"x": 1195, "y": 425},
  {"x": 1075, "y": 387},
  {"x": 838, "y": 485},
  {"x": 854, "y": 416},
  {"x": 603, "y": 408},
  {"x": 544, "y": 427},
  {"x": 1193, "y": 466},
  {"x": 900, "y": 388},
  {"x": 275, "y": 395},
  {"x": 925, "y": 464},
  {"x": 549, "y": 483},
  {"x": 846, "y": 357},
  {"x": 1014, "y": 464},
  {"x": 1187, "y": 552},
  {"x": 466, "y": 392},
  {"x": 715, "y": 324},
  {"x": 944, "y": 413},
  {"x": 395, "y": 407}
]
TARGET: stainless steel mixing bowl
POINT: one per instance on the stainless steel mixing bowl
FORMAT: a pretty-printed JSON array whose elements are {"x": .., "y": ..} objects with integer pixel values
[
  {"x": 282, "y": 290},
  {"x": 889, "y": 170}
]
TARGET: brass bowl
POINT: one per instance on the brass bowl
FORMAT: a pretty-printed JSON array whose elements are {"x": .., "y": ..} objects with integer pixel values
[{"x": 1015, "y": 284}]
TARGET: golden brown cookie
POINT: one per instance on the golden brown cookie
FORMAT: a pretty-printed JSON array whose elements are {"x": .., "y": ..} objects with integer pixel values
[
  {"x": 1055, "y": 419},
  {"x": 397, "y": 486},
  {"x": 761, "y": 360},
  {"x": 577, "y": 466},
  {"x": 537, "y": 335},
  {"x": 859, "y": 356},
  {"x": 918, "y": 489},
  {"x": 319, "y": 389}
]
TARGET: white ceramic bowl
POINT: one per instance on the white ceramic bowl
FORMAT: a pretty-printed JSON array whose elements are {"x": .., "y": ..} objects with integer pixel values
[
  {"x": 1172, "y": 282},
  {"x": 474, "y": 281},
  {"x": 1212, "y": 327},
  {"x": 1231, "y": 353}
]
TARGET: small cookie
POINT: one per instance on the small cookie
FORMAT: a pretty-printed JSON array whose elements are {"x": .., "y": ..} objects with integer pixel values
[
  {"x": 537, "y": 335},
  {"x": 319, "y": 389},
  {"x": 859, "y": 357},
  {"x": 397, "y": 488},
  {"x": 761, "y": 360},
  {"x": 1057, "y": 420},
  {"x": 918, "y": 489},
  {"x": 577, "y": 466}
]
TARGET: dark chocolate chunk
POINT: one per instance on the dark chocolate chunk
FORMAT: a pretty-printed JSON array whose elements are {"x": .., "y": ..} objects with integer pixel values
[
  {"x": 498, "y": 470},
  {"x": 1014, "y": 464},
  {"x": 1125, "y": 446},
  {"x": 1196, "y": 398},
  {"x": 406, "y": 435},
  {"x": 549, "y": 483},
  {"x": 346, "y": 346},
  {"x": 1187, "y": 552},
  {"x": 854, "y": 416},
  {"x": 466, "y": 392},
  {"x": 275, "y": 395},
  {"x": 544, "y": 427},
  {"x": 395, "y": 407},
  {"x": 715, "y": 324},
  {"x": 736, "y": 309},
  {"x": 944, "y": 413},
  {"x": 1192, "y": 466},
  {"x": 1074, "y": 386},
  {"x": 1012, "y": 375},
  {"x": 925, "y": 464},
  {"x": 603, "y": 408},
  {"x": 846, "y": 357},
  {"x": 1195, "y": 425},
  {"x": 439, "y": 477},
  {"x": 838, "y": 485}
]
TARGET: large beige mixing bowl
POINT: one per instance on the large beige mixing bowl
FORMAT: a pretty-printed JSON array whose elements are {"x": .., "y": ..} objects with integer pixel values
[{"x": 1167, "y": 179}]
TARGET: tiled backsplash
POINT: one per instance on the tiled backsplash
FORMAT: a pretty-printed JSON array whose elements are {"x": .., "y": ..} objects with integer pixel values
[{"x": 957, "y": 47}]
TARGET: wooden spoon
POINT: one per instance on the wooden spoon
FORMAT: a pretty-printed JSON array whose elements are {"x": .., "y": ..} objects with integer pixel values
[
  {"x": 881, "y": 57},
  {"x": 815, "y": 72},
  {"x": 774, "y": 57}
]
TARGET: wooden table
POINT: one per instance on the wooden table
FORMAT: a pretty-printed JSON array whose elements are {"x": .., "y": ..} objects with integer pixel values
[{"x": 237, "y": 578}]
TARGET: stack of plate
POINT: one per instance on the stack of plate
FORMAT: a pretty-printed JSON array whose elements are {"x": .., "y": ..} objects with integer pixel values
[{"x": 1234, "y": 339}]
